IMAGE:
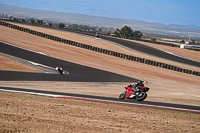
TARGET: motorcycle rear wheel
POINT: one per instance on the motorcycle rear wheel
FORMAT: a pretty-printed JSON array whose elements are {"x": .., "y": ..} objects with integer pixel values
[
  {"x": 141, "y": 96},
  {"x": 122, "y": 96}
]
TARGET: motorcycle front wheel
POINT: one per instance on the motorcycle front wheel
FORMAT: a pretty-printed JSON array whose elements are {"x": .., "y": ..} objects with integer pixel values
[
  {"x": 141, "y": 96},
  {"x": 122, "y": 96}
]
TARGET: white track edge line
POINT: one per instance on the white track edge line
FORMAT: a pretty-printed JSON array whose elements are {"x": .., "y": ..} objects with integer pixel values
[
  {"x": 60, "y": 96},
  {"x": 33, "y": 93}
]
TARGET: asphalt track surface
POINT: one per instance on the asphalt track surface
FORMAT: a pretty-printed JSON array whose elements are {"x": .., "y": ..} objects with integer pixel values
[
  {"x": 178, "y": 107},
  {"x": 76, "y": 72},
  {"x": 148, "y": 50}
]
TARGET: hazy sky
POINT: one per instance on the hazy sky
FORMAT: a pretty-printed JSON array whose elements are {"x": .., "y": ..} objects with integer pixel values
[{"x": 185, "y": 12}]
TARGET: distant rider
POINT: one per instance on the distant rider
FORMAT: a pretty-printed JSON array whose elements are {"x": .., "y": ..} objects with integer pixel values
[{"x": 59, "y": 69}]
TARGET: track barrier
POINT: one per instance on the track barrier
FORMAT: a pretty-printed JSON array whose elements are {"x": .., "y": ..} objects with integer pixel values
[{"x": 103, "y": 51}]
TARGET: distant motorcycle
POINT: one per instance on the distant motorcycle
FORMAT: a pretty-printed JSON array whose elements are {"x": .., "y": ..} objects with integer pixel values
[
  {"x": 97, "y": 35},
  {"x": 60, "y": 70},
  {"x": 133, "y": 92}
]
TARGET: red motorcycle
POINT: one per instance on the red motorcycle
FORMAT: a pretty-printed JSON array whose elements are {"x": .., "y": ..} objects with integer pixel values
[{"x": 132, "y": 92}]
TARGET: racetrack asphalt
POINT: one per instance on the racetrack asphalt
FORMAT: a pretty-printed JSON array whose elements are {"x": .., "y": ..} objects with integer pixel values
[
  {"x": 170, "y": 106},
  {"x": 148, "y": 50},
  {"x": 76, "y": 72}
]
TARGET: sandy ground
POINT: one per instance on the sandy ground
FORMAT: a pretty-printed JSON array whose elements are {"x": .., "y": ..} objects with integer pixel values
[
  {"x": 28, "y": 113},
  {"x": 31, "y": 112}
]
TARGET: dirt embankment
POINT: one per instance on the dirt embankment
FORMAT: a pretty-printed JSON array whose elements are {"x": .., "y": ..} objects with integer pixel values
[{"x": 28, "y": 113}]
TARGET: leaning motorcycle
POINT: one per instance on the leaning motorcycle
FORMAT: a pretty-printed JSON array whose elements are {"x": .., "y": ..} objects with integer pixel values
[
  {"x": 140, "y": 94},
  {"x": 61, "y": 71}
]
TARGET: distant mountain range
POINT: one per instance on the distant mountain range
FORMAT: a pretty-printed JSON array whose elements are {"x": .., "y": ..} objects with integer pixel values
[{"x": 145, "y": 27}]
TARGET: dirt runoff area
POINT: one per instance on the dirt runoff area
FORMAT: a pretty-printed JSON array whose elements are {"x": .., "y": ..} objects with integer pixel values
[{"x": 29, "y": 113}]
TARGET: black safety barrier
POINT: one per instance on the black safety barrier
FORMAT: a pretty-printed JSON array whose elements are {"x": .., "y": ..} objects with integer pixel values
[
  {"x": 90, "y": 32},
  {"x": 100, "y": 50}
]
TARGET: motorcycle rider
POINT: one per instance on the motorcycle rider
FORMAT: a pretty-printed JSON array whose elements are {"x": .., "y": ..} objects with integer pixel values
[
  {"x": 97, "y": 34},
  {"x": 137, "y": 86},
  {"x": 59, "y": 69}
]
